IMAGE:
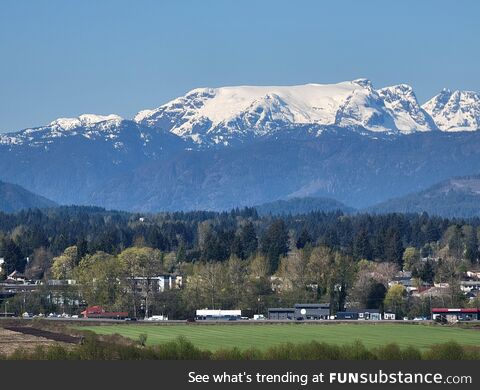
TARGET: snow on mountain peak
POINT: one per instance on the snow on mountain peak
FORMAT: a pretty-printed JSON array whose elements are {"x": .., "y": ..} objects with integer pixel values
[
  {"x": 260, "y": 110},
  {"x": 407, "y": 113},
  {"x": 236, "y": 114},
  {"x": 455, "y": 110},
  {"x": 84, "y": 120},
  {"x": 363, "y": 82}
]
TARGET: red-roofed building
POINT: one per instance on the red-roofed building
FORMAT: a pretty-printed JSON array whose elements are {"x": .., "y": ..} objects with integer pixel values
[{"x": 100, "y": 312}]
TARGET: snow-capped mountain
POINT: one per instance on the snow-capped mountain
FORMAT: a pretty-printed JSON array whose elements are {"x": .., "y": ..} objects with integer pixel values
[
  {"x": 87, "y": 125},
  {"x": 402, "y": 103},
  {"x": 229, "y": 114},
  {"x": 217, "y": 148},
  {"x": 226, "y": 116},
  {"x": 455, "y": 111},
  {"x": 99, "y": 131}
]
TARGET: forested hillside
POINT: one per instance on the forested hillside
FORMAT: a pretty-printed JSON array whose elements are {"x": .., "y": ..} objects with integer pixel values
[
  {"x": 14, "y": 197},
  {"x": 237, "y": 259},
  {"x": 456, "y": 197}
]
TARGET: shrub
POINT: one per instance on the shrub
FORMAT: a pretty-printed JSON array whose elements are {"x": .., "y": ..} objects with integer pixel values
[
  {"x": 356, "y": 351},
  {"x": 446, "y": 351},
  {"x": 116, "y": 348},
  {"x": 142, "y": 339},
  {"x": 389, "y": 352},
  {"x": 411, "y": 353}
]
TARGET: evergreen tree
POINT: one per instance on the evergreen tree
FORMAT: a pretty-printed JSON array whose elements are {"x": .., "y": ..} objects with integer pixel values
[
  {"x": 471, "y": 244},
  {"x": 275, "y": 243},
  {"x": 361, "y": 246},
  {"x": 249, "y": 240},
  {"x": 14, "y": 259},
  {"x": 394, "y": 246},
  {"x": 303, "y": 239},
  {"x": 376, "y": 296},
  {"x": 82, "y": 249}
]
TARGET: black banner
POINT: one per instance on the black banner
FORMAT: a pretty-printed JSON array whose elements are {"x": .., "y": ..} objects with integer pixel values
[{"x": 241, "y": 374}]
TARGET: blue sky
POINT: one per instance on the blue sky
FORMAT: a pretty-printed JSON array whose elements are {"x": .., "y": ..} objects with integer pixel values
[{"x": 65, "y": 58}]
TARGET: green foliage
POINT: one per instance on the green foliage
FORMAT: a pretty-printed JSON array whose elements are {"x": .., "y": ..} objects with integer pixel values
[
  {"x": 313, "y": 257},
  {"x": 395, "y": 300},
  {"x": 99, "y": 278},
  {"x": 62, "y": 267},
  {"x": 447, "y": 351},
  {"x": 142, "y": 339},
  {"x": 181, "y": 349},
  {"x": 274, "y": 243}
]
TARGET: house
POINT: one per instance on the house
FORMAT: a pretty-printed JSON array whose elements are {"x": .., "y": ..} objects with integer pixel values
[
  {"x": 454, "y": 315},
  {"x": 405, "y": 279},
  {"x": 100, "y": 312},
  {"x": 359, "y": 314},
  {"x": 469, "y": 285},
  {"x": 213, "y": 315},
  {"x": 420, "y": 291},
  {"x": 472, "y": 295},
  {"x": 432, "y": 292},
  {"x": 470, "y": 274},
  {"x": 16, "y": 277}
]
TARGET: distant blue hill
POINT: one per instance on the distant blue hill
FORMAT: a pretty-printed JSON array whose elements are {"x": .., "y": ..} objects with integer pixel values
[
  {"x": 14, "y": 198},
  {"x": 455, "y": 197}
]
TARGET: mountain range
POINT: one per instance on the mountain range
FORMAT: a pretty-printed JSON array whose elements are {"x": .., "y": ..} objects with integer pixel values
[{"x": 216, "y": 148}]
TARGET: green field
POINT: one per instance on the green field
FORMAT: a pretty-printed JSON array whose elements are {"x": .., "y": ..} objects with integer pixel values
[{"x": 244, "y": 336}]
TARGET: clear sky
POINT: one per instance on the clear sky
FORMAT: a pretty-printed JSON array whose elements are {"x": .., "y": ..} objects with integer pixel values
[{"x": 65, "y": 58}]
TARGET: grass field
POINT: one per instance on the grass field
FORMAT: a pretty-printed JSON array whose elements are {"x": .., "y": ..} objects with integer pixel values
[{"x": 214, "y": 337}]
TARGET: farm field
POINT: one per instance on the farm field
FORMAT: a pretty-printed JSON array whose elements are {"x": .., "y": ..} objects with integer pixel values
[
  {"x": 217, "y": 336},
  {"x": 10, "y": 340}
]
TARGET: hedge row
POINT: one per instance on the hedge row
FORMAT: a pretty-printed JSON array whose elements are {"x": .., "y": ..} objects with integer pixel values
[{"x": 116, "y": 348}]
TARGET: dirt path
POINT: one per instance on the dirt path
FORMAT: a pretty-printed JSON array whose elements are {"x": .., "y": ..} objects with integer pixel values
[
  {"x": 13, "y": 338},
  {"x": 63, "y": 338}
]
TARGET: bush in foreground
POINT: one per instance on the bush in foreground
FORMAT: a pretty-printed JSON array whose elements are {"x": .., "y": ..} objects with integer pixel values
[{"x": 117, "y": 348}]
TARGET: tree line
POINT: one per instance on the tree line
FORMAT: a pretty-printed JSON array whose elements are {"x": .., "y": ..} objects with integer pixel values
[{"x": 236, "y": 259}]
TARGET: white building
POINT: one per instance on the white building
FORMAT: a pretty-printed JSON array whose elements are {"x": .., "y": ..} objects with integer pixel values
[
  {"x": 207, "y": 314},
  {"x": 159, "y": 283},
  {"x": 389, "y": 316}
]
